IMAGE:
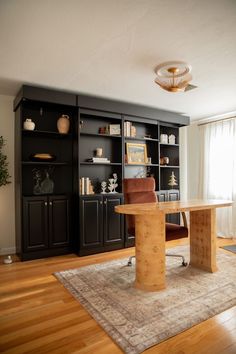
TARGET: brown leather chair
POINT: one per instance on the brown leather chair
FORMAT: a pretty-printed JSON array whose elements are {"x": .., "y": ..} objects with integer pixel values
[{"x": 142, "y": 190}]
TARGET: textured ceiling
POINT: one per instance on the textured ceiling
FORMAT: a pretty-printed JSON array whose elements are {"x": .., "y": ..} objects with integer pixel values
[{"x": 110, "y": 48}]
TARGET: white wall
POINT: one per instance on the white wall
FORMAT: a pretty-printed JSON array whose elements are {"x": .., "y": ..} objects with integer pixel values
[
  {"x": 189, "y": 161},
  {"x": 7, "y": 208}
]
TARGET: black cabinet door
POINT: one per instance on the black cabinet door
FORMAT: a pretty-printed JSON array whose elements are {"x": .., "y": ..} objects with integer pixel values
[
  {"x": 113, "y": 222},
  {"x": 91, "y": 222},
  {"x": 59, "y": 221},
  {"x": 173, "y": 195},
  {"x": 35, "y": 223}
]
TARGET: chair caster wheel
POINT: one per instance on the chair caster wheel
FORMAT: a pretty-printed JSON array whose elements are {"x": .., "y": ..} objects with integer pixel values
[{"x": 184, "y": 264}]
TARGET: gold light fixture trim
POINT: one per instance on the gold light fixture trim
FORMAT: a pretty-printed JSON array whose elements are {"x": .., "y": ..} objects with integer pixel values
[{"x": 173, "y": 76}]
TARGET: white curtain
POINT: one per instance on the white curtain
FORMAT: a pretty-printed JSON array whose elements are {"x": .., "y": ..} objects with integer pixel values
[{"x": 217, "y": 178}]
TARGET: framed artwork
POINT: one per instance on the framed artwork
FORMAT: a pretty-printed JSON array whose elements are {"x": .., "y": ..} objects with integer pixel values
[{"x": 136, "y": 153}]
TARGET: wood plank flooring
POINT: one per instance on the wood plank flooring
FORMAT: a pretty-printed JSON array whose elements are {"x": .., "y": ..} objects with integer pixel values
[{"x": 37, "y": 314}]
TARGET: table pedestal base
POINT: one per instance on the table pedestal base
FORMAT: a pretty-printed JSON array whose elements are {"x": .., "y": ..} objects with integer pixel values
[
  {"x": 203, "y": 239},
  {"x": 150, "y": 252}
]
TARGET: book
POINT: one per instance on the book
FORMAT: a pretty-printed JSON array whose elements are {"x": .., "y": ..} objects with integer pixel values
[{"x": 99, "y": 159}]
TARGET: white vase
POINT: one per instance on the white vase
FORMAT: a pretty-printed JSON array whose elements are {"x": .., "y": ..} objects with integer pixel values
[
  {"x": 29, "y": 125},
  {"x": 63, "y": 124}
]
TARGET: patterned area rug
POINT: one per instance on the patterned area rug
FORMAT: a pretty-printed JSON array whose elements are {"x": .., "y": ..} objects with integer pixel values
[{"x": 137, "y": 320}]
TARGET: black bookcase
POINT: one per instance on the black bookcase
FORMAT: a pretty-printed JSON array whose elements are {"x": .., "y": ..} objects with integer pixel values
[
  {"x": 44, "y": 214},
  {"x": 69, "y": 217}
]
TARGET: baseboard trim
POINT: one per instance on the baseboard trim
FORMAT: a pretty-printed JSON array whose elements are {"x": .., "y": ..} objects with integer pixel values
[{"x": 7, "y": 251}]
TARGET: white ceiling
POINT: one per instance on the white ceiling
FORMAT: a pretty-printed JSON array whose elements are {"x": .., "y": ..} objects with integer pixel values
[{"x": 110, "y": 48}]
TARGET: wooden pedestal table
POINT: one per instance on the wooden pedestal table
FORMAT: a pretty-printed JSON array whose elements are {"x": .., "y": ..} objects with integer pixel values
[{"x": 150, "y": 237}]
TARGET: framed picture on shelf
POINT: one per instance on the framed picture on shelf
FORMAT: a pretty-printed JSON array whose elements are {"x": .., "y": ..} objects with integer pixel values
[
  {"x": 136, "y": 153},
  {"x": 114, "y": 129}
]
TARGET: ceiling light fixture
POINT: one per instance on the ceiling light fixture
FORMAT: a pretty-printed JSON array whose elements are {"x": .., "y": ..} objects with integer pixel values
[{"x": 174, "y": 76}]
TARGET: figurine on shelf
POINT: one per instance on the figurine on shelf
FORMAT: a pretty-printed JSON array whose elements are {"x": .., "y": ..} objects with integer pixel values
[
  {"x": 112, "y": 184},
  {"x": 115, "y": 184},
  {"x": 104, "y": 186},
  {"x": 172, "y": 180}
]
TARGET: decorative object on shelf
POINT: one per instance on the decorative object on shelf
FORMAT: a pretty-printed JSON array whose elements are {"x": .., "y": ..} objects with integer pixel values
[
  {"x": 7, "y": 260},
  {"x": 164, "y": 138},
  {"x": 114, "y": 129},
  {"x": 172, "y": 180},
  {"x": 171, "y": 139},
  {"x": 29, "y": 124},
  {"x": 136, "y": 153},
  {"x": 133, "y": 131},
  {"x": 81, "y": 122},
  {"x": 42, "y": 157},
  {"x": 99, "y": 152},
  {"x": 63, "y": 124},
  {"x": 44, "y": 187},
  {"x": 37, "y": 177},
  {"x": 149, "y": 160},
  {"x": 103, "y": 186},
  {"x": 112, "y": 184},
  {"x": 47, "y": 185},
  {"x": 98, "y": 160},
  {"x": 164, "y": 160},
  {"x": 4, "y": 175},
  {"x": 174, "y": 76},
  {"x": 147, "y": 136},
  {"x": 141, "y": 173}
]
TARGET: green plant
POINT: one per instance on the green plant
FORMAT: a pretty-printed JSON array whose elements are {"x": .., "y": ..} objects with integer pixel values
[{"x": 4, "y": 175}]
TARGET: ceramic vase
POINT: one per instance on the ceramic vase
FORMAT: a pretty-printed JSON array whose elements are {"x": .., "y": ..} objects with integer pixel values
[
  {"x": 29, "y": 125},
  {"x": 63, "y": 124}
]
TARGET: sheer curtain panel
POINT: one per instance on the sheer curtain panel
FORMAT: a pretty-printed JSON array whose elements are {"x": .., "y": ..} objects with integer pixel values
[{"x": 217, "y": 178}]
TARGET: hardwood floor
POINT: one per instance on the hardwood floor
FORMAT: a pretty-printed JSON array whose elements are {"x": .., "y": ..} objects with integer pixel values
[{"x": 38, "y": 315}]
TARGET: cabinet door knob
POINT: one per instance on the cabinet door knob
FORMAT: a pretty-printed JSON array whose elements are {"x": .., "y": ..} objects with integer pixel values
[
  {"x": 45, "y": 203},
  {"x": 100, "y": 202},
  {"x": 105, "y": 202},
  {"x": 50, "y": 203}
]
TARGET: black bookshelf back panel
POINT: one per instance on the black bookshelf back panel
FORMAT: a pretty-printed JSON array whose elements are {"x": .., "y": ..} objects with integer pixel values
[
  {"x": 92, "y": 124},
  {"x": 45, "y": 116},
  {"x": 169, "y": 131},
  {"x": 100, "y": 173},
  {"x": 142, "y": 171},
  {"x": 143, "y": 130},
  {"x": 172, "y": 152},
  {"x": 60, "y": 175},
  {"x": 60, "y": 148},
  {"x": 165, "y": 177},
  {"x": 112, "y": 148}
]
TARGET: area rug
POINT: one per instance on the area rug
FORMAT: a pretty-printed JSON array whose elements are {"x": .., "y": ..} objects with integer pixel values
[
  {"x": 231, "y": 248},
  {"x": 137, "y": 320}
]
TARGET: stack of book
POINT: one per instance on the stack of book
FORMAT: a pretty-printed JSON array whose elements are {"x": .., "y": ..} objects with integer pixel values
[
  {"x": 99, "y": 160},
  {"x": 86, "y": 186},
  {"x": 129, "y": 129}
]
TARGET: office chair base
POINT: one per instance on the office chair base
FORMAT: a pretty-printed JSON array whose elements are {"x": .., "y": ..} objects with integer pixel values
[
  {"x": 184, "y": 263},
  {"x": 129, "y": 264}
]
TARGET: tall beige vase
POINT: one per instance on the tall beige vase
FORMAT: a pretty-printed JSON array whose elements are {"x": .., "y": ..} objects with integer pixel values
[{"x": 63, "y": 124}]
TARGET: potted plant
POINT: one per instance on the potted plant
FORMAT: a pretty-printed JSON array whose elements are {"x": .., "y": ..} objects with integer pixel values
[{"x": 4, "y": 175}]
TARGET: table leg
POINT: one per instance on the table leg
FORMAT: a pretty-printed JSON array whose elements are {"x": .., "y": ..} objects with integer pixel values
[
  {"x": 150, "y": 252},
  {"x": 203, "y": 239}
]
